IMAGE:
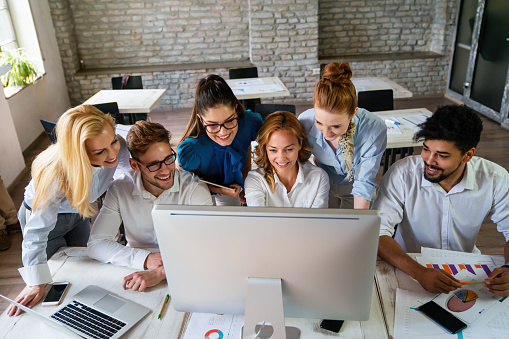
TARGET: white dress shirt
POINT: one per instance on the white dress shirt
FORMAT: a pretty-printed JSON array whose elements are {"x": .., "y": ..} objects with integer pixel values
[
  {"x": 311, "y": 189},
  {"x": 431, "y": 217},
  {"x": 128, "y": 201},
  {"x": 40, "y": 223}
]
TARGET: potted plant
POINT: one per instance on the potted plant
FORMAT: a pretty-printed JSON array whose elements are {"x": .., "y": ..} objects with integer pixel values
[{"x": 22, "y": 73}]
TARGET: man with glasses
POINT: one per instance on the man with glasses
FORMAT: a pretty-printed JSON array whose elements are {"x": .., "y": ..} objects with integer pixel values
[{"x": 130, "y": 199}]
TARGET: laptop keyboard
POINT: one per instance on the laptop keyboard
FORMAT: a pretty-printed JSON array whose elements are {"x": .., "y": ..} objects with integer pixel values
[{"x": 88, "y": 320}]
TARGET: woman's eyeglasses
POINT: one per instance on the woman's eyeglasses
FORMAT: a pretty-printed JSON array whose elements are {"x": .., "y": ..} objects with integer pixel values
[
  {"x": 156, "y": 166},
  {"x": 215, "y": 128}
]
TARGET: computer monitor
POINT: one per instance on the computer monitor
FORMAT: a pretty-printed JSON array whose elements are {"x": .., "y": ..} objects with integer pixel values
[{"x": 324, "y": 259}]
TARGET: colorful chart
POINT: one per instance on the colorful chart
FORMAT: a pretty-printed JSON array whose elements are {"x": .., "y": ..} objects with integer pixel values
[
  {"x": 466, "y": 295},
  {"x": 462, "y": 300},
  {"x": 455, "y": 268},
  {"x": 219, "y": 334}
]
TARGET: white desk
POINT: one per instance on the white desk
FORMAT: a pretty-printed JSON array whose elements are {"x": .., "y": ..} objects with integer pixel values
[
  {"x": 400, "y": 143},
  {"x": 255, "y": 88},
  {"x": 377, "y": 83},
  {"x": 129, "y": 101},
  {"x": 72, "y": 264},
  {"x": 404, "y": 139},
  {"x": 388, "y": 280}
]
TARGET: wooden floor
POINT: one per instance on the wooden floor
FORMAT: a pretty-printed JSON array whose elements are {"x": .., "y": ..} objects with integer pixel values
[{"x": 493, "y": 146}]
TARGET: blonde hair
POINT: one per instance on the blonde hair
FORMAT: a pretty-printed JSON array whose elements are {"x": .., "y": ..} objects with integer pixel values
[
  {"x": 65, "y": 167},
  {"x": 335, "y": 92},
  {"x": 278, "y": 121}
]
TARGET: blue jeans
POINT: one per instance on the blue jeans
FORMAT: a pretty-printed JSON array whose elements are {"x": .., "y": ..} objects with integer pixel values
[{"x": 70, "y": 230}]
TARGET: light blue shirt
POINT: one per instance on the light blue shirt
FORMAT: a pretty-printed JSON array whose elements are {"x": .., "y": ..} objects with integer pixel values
[
  {"x": 370, "y": 141},
  {"x": 41, "y": 222}
]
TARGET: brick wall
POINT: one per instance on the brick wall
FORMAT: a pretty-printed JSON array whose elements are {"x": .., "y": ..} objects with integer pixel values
[
  {"x": 123, "y": 32},
  {"x": 357, "y": 27},
  {"x": 284, "y": 38}
]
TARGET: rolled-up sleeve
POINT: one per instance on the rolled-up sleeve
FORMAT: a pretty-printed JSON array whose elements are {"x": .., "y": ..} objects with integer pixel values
[
  {"x": 102, "y": 245},
  {"x": 390, "y": 201},
  {"x": 368, "y": 163}
]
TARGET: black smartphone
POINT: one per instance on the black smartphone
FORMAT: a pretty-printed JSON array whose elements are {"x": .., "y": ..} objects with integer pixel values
[
  {"x": 56, "y": 294},
  {"x": 332, "y": 325},
  {"x": 442, "y": 317}
]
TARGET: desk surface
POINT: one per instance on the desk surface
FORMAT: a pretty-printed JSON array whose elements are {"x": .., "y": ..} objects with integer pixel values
[
  {"x": 377, "y": 83},
  {"x": 404, "y": 139},
  {"x": 72, "y": 264},
  {"x": 129, "y": 100},
  {"x": 254, "y": 88}
]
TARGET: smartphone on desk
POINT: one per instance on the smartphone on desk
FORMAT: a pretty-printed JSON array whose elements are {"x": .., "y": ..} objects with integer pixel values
[
  {"x": 56, "y": 294},
  {"x": 442, "y": 317}
]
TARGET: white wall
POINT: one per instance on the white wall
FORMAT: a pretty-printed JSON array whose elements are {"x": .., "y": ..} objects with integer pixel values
[
  {"x": 11, "y": 158},
  {"x": 47, "y": 99}
]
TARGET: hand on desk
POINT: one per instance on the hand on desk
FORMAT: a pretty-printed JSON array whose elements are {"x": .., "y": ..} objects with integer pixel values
[
  {"x": 28, "y": 298},
  {"x": 139, "y": 281},
  {"x": 498, "y": 282},
  {"x": 437, "y": 281},
  {"x": 153, "y": 261}
]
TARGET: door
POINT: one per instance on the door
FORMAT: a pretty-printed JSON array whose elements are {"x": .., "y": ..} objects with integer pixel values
[{"x": 480, "y": 60}]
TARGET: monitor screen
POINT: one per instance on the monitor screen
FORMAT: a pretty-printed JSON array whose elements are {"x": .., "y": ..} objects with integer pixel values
[{"x": 325, "y": 257}]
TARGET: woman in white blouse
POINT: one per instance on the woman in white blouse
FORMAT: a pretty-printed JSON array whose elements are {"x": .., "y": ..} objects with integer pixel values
[{"x": 285, "y": 177}]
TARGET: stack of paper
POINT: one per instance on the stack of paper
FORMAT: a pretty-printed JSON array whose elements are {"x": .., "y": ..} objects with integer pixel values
[{"x": 486, "y": 314}]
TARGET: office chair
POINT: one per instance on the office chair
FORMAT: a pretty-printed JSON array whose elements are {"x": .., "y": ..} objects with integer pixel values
[
  {"x": 49, "y": 128},
  {"x": 373, "y": 101},
  {"x": 111, "y": 108},
  {"x": 266, "y": 109},
  {"x": 129, "y": 82},
  {"x": 240, "y": 73}
]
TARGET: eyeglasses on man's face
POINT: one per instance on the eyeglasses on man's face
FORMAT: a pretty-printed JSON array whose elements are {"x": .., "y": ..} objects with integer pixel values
[
  {"x": 215, "y": 128},
  {"x": 156, "y": 165}
]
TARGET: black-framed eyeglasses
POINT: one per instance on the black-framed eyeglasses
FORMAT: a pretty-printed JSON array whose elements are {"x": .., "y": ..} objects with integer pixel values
[
  {"x": 215, "y": 128},
  {"x": 156, "y": 166}
]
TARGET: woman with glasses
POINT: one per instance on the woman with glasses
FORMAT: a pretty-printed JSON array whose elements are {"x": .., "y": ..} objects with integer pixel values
[
  {"x": 285, "y": 177},
  {"x": 217, "y": 141},
  {"x": 67, "y": 178},
  {"x": 348, "y": 142}
]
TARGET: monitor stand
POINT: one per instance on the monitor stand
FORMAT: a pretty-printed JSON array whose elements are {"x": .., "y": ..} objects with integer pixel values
[{"x": 264, "y": 302}]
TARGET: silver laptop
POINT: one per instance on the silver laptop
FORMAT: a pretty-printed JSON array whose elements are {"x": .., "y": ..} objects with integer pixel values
[{"x": 93, "y": 313}]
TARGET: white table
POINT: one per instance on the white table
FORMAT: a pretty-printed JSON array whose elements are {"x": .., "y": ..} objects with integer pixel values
[
  {"x": 377, "y": 83},
  {"x": 402, "y": 143},
  {"x": 388, "y": 280},
  {"x": 129, "y": 101},
  {"x": 72, "y": 264},
  {"x": 255, "y": 88}
]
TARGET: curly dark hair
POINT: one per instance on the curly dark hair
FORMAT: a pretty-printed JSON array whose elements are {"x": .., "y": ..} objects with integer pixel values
[{"x": 456, "y": 123}]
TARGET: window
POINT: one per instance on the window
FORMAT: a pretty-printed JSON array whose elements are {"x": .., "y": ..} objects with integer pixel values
[{"x": 7, "y": 35}]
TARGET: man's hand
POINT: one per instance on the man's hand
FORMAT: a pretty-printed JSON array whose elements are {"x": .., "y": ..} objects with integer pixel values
[
  {"x": 498, "y": 282},
  {"x": 139, "y": 281},
  {"x": 28, "y": 298},
  {"x": 153, "y": 261},
  {"x": 437, "y": 281}
]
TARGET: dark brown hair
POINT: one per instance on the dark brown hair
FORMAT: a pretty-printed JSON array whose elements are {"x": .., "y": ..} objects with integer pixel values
[
  {"x": 143, "y": 134},
  {"x": 211, "y": 92},
  {"x": 335, "y": 92}
]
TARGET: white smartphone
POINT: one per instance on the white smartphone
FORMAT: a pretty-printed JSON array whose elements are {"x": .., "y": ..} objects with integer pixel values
[{"x": 56, "y": 294}]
